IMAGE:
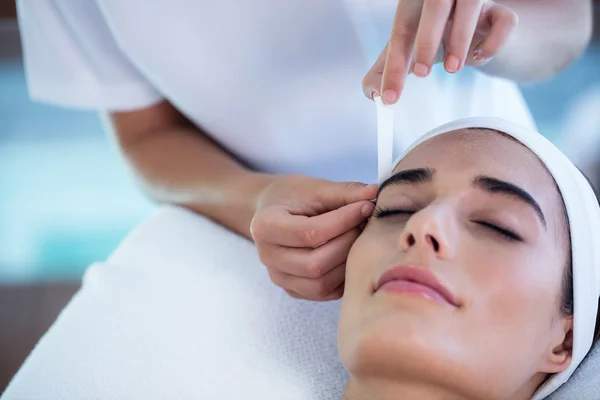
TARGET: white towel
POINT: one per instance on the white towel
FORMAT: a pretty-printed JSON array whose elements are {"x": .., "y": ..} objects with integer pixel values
[{"x": 185, "y": 310}]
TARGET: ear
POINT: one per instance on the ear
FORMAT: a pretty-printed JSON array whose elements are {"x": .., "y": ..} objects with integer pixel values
[{"x": 561, "y": 352}]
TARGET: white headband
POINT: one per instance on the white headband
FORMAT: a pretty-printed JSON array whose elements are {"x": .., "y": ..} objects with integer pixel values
[{"x": 582, "y": 210}]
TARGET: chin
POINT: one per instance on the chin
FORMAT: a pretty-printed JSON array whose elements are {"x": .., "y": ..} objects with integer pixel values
[
  {"x": 421, "y": 343},
  {"x": 406, "y": 346},
  {"x": 401, "y": 342}
]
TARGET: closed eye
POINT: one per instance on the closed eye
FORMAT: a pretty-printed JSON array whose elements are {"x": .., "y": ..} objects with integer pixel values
[
  {"x": 505, "y": 233},
  {"x": 502, "y": 231},
  {"x": 386, "y": 212}
]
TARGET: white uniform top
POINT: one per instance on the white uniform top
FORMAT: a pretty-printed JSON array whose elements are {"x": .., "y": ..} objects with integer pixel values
[{"x": 277, "y": 82}]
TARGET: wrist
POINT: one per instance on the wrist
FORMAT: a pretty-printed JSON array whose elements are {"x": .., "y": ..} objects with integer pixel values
[{"x": 245, "y": 189}]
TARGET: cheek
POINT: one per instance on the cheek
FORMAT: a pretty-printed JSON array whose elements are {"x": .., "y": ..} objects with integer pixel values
[
  {"x": 511, "y": 302},
  {"x": 370, "y": 248},
  {"x": 366, "y": 257},
  {"x": 516, "y": 292}
]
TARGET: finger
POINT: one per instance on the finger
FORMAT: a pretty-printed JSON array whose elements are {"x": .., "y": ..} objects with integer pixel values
[
  {"x": 464, "y": 23},
  {"x": 299, "y": 231},
  {"x": 309, "y": 262},
  {"x": 273, "y": 224},
  {"x": 314, "y": 231},
  {"x": 311, "y": 289},
  {"x": 293, "y": 294},
  {"x": 280, "y": 226},
  {"x": 337, "y": 294},
  {"x": 372, "y": 81},
  {"x": 503, "y": 22},
  {"x": 429, "y": 35},
  {"x": 400, "y": 47},
  {"x": 333, "y": 195}
]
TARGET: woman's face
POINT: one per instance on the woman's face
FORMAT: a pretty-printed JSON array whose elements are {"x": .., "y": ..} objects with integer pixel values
[{"x": 477, "y": 212}]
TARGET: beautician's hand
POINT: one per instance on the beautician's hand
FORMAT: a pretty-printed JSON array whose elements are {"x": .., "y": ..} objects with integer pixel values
[
  {"x": 472, "y": 32},
  {"x": 304, "y": 228}
]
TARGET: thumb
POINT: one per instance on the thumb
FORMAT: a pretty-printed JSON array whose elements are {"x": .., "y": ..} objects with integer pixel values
[{"x": 333, "y": 195}]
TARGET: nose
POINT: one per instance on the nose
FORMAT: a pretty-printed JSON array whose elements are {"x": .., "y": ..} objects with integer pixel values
[{"x": 428, "y": 230}]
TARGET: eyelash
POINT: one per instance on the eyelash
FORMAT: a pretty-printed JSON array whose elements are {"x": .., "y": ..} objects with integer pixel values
[
  {"x": 505, "y": 233},
  {"x": 386, "y": 212}
]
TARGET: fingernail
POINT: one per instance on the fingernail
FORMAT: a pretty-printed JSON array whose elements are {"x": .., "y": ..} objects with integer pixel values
[
  {"x": 421, "y": 70},
  {"x": 478, "y": 55},
  {"x": 451, "y": 63},
  {"x": 390, "y": 96},
  {"x": 367, "y": 210},
  {"x": 370, "y": 93}
]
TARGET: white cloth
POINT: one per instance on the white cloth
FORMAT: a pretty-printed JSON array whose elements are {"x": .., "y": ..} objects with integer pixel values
[
  {"x": 282, "y": 75},
  {"x": 584, "y": 220},
  {"x": 184, "y": 310},
  {"x": 584, "y": 384}
]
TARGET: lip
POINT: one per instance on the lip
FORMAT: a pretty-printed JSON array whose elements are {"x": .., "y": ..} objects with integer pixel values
[{"x": 420, "y": 278}]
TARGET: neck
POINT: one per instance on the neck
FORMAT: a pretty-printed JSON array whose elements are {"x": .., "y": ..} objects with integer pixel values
[{"x": 374, "y": 388}]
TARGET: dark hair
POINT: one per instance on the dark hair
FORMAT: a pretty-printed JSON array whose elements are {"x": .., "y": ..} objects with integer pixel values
[{"x": 567, "y": 301}]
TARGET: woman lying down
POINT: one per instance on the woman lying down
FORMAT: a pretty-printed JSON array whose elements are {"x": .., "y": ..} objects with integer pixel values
[{"x": 477, "y": 278}]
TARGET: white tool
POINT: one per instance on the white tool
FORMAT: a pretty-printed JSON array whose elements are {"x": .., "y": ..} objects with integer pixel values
[{"x": 385, "y": 139}]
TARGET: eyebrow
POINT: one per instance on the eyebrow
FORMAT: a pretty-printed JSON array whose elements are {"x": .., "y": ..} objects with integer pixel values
[
  {"x": 408, "y": 177},
  {"x": 497, "y": 186},
  {"x": 488, "y": 184}
]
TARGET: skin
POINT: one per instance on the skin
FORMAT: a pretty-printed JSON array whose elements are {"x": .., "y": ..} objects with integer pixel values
[
  {"x": 398, "y": 345},
  {"x": 522, "y": 40},
  {"x": 287, "y": 216}
]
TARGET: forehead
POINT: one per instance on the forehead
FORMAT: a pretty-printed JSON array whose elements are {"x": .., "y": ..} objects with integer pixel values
[
  {"x": 480, "y": 151},
  {"x": 462, "y": 155}
]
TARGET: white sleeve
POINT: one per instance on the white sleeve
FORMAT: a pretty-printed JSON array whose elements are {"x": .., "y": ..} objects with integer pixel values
[{"x": 72, "y": 59}]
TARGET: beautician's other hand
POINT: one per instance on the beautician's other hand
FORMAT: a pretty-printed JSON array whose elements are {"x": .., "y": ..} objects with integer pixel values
[
  {"x": 472, "y": 32},
  {"x": 304, "y": 228}
]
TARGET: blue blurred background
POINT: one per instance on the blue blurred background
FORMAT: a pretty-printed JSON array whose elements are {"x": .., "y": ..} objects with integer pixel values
[{"x": 67, "y": 199}]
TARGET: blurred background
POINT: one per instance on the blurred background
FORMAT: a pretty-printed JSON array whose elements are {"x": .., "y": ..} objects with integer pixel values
[{"x": 66, "y": 198}]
